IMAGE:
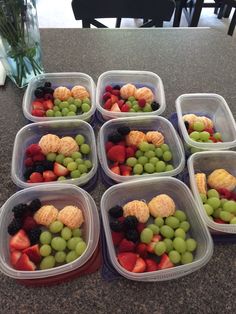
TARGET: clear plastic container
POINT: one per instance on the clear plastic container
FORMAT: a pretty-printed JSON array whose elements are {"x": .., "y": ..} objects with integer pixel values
[
  {"x": 146, "y": 190},
  {"x": 214, "y": 107},
  {"x": 139, "y": 79},
  {"x": 207, "y": 162},
  {"x": 59, "y": 79},
  {"x": 145, "y": 124},
  {"x": 31, "y": 133},
  {"x": 58, "y": 195}
]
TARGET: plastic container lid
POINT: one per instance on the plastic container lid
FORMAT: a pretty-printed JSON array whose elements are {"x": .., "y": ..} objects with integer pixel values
[
  {"x": 69, "y": 80},
  {"x": 58, "y": 195},
  {"x": 31, "y": 133},
  {"x": 149, "y": 123},
  {"x": 214, "y": 107},
  {"x": 139, "y": 79},
  {"x": 145, "y": 190},
  {"x": 207, "y": 162}
]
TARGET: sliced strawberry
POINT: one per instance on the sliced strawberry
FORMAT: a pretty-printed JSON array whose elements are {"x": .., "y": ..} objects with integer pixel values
[
  {"x": 165, "y": 262},
  {"x": 129, "y": 152},
  {"x": 106, "y": 96},
  {"x": 109, "y": 88},
  {"x": 36, "y": 177},
  {"x": 125, "y": 108},
  {"x": 140, "y": 227},
  {"x": 219, "y": 221},
  {"x": 117, "y": 237},
  {"x": 213, "y": 139},
  {"x": 115, "y": 108},
  {"x": 151, "y": 265},
  {"x": 108, "y": 104},
  {"x": 141, "y": 250},
  {"x": 127, "y": 260},
  {"x": 24, "y": 263},
  {"x": 126, "y": 246},
  {"x": 60, "y": 170},
  {"x": 33, "y": 253},
  {"x": 29, "y": 223},
  {"x": 19, "y": 241},
  {"x": 116, "y": 153},
  {"x": 225, "y": 193},
  {"x": 120, "y": 103},
  {"x": 39, "y": 157},
  {"x": 116, "y": 92},
  {"x": 15, "y": 255},
  {"x": 114, "y": 99},
  {"x": 125, "y": 170},
  {"x": 47, "y": 104},
  {"x": 38, "y": 113},
  {"x": 150, "y": 247},
  {"x": 115, "y": 168},
  {"x": 49, "y": 176},
  {"x": 209, "y": 130},
  {"x": 108, "y": 145},
  {"x": 33, "y": 149},
  {"x": 140, "y": 266},
  {"x": 37, "y": 105}
]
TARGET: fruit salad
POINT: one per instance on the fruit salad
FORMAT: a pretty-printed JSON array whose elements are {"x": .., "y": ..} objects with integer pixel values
[
  {"x": 133, "y": 152},
  {"x": 43, "y": 237},
  {"x": 60, "y": 101},
  {"x": 218, "y": 198},
  {"x": 54, "y": 158},
  {"x": 151, "y": 235},
  {"x": 129, "y": 98}
]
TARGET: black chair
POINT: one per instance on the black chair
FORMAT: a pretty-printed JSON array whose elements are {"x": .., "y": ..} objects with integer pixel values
[
  {"x": 225, "y": 10},
  {"x": 153, "y": 12}
]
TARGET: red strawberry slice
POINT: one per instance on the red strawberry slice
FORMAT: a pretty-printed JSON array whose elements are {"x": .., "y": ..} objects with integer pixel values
[
  {"x": 129, "y": 152},
  {"x": 150, "y": 247},
  {"x": 115, "y": 168},
  {"x": 209, "y": 130},
  {"x": 36, "y": 177},
  {"x": 108, "y": 145},
  {"x": 60, "y": 170},
  {"x": 37, "y": 105},
  {"x": 47, "y": 104},
  {"x": 19, "y": 241},
  {"x": 39, "y": 157},
  {"x": 33, "y": 149},
  {"x": 127, "y": 260},
  {"x": 24, "y": 263},
  {"x": 165, "y": 262},
  {"x": 106, "y": 96},
  {"x": 219, "y": 221},
  {"x": 125, "y": 108},
  {"x": 109, "y": 88},
  {"x": 125, "y": 170},
  {"x": 33, "y": 253},
  {"x": 116, "y": 92},
  {"x": 115, "y": 107},
  {"x": 213, "y": 139},
  {"x": 140, "y": 227},
  {"x": 114, "y": 99},
  {"x": 140, "y": 266},
  {"x": 225, "y": 193},
  {"x": 116, "y": 153},
  {"x": 120, "y": 103},
  {"x": 29, "y": 223},
  {"x": 126, "y": 246},
  {"x": 151, "y": 265},
  {"x": 38, "y": 113},
  {"x": 49, "y": 176},
  {"x": 108, "y": 104},
  {"x": 141, "y": 250},
  {"x": 15, "y": 255},
  {"x": 117, "y": 237}
]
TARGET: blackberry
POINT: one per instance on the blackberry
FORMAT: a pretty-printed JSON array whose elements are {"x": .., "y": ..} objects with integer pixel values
[
  {"x": 48, "y": 90},
  {"x": 155, "y": 106},
  {"x": 34, "y": 235},
  {"x": 186, "y": 125},
  {"x": 35, "y": 205},
  {"x": 116, "y": 211},
  {"x": 14, "y": 226},
  {"x": 116, "y": 87},
  {"x": 48, "y": 165},
  {"x": 132, "y": 235},
  {"x": 39, "y": 93},
  {"x": 28, "y": 172},
  {"x": 116, "y": 226},
  {"x": 130, "y": 222},
  {"x": 115, "y": 137},
  {"x": 19, "y": 210},
  {"x": 123, "y": 130},
  {"x": 39, "y": 168},
  {"x": 47, "y": 84}
]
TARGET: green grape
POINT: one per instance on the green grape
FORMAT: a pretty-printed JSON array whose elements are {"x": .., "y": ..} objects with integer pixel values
[
  {"x": 85, "y": 107},
  {"x": 66, "y": 233},
  {"x": 169, "y": 245},
  {"x": 160, "y": 248},
  {"x": 167, "y": 156},
  {"x": 60, "y": 158},
  {"x": 174, "y": 257},
  {"x": 88, "y": 164},
  {"x": 213, "y": 193},
  {"x": 79, "y": 139},
  {"x": 45, "y": 250},
  {"x": 144, "y": 146},
  {"x": 209, "y": 209},
  {"x": 165, "y": 148},
  {"x": 152, "y": 147},
  {"x": 60, "y": 257},
  {"x": 58, "y": 114},
  {"x": 214, "y": 202},
  {"x": 78, "y": 103},
  {"x": 203, "y": 197},
  {"x": 67, "y": 160},
  {"x": 51, "y": 156},
  {"x": 149, "y": 168},
  {"x": 142, "y": 160},
  {"x": 138, "y": 169},
  {"x": 47, "y": 262},
  {"x": 146, "y": 235},
  {"x": 131, "y": 161},
  {"x": 56, "y": 226},
  {"x": 56, "y": 108},
  {"x": 216, "y": 213},
  {"x": 129, "y": 103},
  {"x": 204, "y": 136},
  {"x": 153, "y": 160},
  {"x": 65, "y": 112},
  {"x": 149, "y": 154},
  {"x": 179, "y": 245},
  {"x": 226, "y": 216},
  {"x": 155, "y": 229},
  {"x": 45, "y": 237},
  {"x": 222, "y": 201},
  {"x": 72, "y": 108},
  {"x": 158, "y": 152},
  {"x": 131, "y": 98},
  {"x": 147, "y": 108},
  {"x": 138, "y": 153},
  {"x": 230, "y": 206},
  {"x": 64, "y": 104},
  {"x": 172, "y": 222},
  {"x": 169, "y": 168},
  {"x": 71, "y": 113},
  {"x": 180, "y": 215},
  {"x": 131, "y": 110},
  {"x": 82, "y": 168},
  {"x": 79, "y": 161},
  {"x": 186, "y": 258},
  {"x": 71, "y": 166},
  {"x": 160, "y": 166},
  {"x": 57, "y": 102},
  {"x": 136, "y": 108},
  {"x": 159, "y": 221},
  {"x": 85, "y": 149},
  {"x": 180, "y": 233},
  {"x": 185, "y": 225},
  {"x": 198, "y": 126},
  {"x": 217, "y": 136},
  {"x": 86, "y": 101},
  {"x": 134, "y": 103},
  {"x": 71, "y": 256},
  {"x": 72, "y": 242},
  {"x": 50, "y": 113},
  {"x": 191, "y": 245},
  {"x": 195, "y": 136},
  {"x": 75, "y": 174},
  {"x": 76, "y": 232},
  {"x": 233, "y": 221},
  {"x": 80, "y": 248},
  {"x": 76, "y": 155},
  {"x": 70, "y": 100},
  {"x": 61, "y": 178},
  {"x": 58, "y": 244},
  {"x": 167, "y": 232}
]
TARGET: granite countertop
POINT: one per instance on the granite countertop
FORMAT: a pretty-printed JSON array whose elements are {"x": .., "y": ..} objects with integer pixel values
[{"x": 191, "y": 60}]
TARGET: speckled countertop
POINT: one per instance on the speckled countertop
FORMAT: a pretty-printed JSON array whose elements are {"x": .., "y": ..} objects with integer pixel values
[{"x": 191, "y": 60}]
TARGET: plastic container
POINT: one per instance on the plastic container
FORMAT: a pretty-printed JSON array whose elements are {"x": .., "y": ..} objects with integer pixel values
[
  {"x": 207, "y": 162},
  {"x": 145, "y": 124},
  {"x": 69, "y": 80},
  {"x": 146, "y": 190},
  {"x": 32, "y": 133},
  {"x": 214, "y": 107},
  {"x": 139, "y": 79},
  {"x": 58, "y": 195}
]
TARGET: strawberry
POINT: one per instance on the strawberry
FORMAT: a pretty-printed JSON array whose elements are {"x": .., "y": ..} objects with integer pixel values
[
  {"x": 108, "y": 104},
  {"x": 116, "y": 92},
  {"x": 24, "y": 263},
  {"x": 37, "y": 105},
  {"x": 49, "y": 176},
  {"x": 140, "y": 266},
  {"x": 36, "y": 177},
  {"x": 109, "y": 88},
  {"x": 141, "y": 250},
  {"x": 225, "y": 193},
  {"x": 116, "y": 153},
  {"x": 28, "y": 162},
  {"x": 233, "y": 196},
  {"x": 126, "y": 246},
  {"x": 129, "y": 152},
  {"x": 125, "y": 170},
  {"x": 60, "y": 170},
  {"x": 29, "y": 223},
  {"x": 106, "y": 96},
  {"x": 114, "y": 99},
  {"x": 213, "y": 139},
  {"x": 151, "y": 265},
  {"x": 142, "y": 103},
  {"x": 127, "y": 260},
  {"x": 115, "y": 108},
  {"x": 37, "y": 113},
  {"x": 165, "y": 262},
  {"x": 20, "y": 241},
  {"x": 120, "y": 103},
  {"x": 135, "y": 148},
  {"x": 39, "y": 100},
  {"x": 33, "y": 253},
  {"x": 15, "y": 255},
  {"x": 140, "y": 227},
  {"x": 117, "y": 237},
  {"x": 125, "y": 108},
  {"x": 108, "y": 145},
  {"x": 150, "y": 247},
  {"x": 33, "y": 149},
  {"x": 47, "y": 104},
  {"x": 39, "y": 157},
  {"x": 219, "y": 221},
  {"x": 115, "y": 169},
  {"x": 209, "y": 130}
]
